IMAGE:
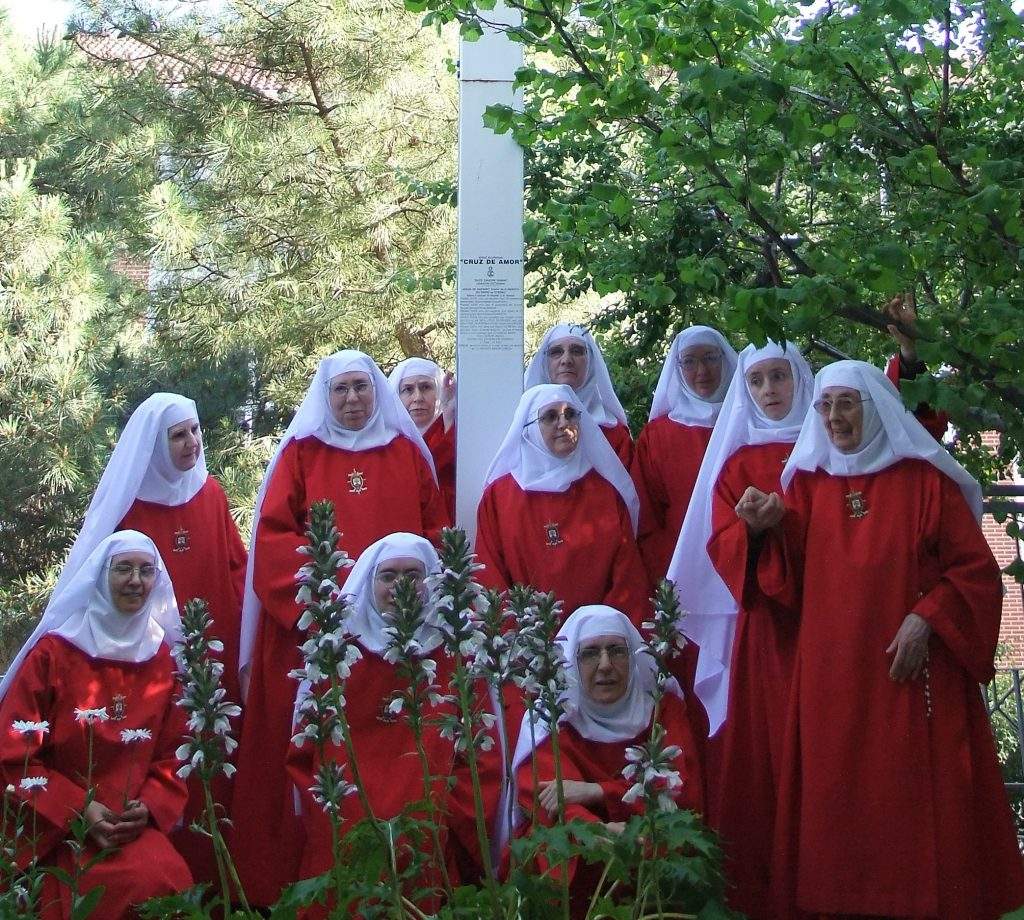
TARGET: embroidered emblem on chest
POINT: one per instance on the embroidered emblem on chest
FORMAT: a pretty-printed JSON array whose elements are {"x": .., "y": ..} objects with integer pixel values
[
  {"x": 554, "y": 538},
  {"x": 856, "y": 505},
  {"x": 356, "y": 482},
  {"x": 182, "y": 543},
  {"x": 118, "y": 708}
]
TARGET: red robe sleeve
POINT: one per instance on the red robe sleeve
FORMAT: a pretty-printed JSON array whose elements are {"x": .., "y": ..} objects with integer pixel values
[
  {"x": 495, "y": 574},
  {"x": 731, "y": 550},
  {"x": 441, "y": 442},
  {"x": 653, "y": 497},
  {"x": 280, "y": 532},
  {"x": 729, "y": 545},
  {"x": 964, "y": 604},
  {"x": 238, "y": 556},
  {"x": 628, "y": 590},
  {"x": 780, "y": 564},
  {"x": 934, "y": 422},
  {"x": 31, "y": 697},
  {"x": 163, "y": 792},
  {"x": 621, "y": 441},
  {"x": 543, "y": 762},
  {"x": 435, "y": 514}
]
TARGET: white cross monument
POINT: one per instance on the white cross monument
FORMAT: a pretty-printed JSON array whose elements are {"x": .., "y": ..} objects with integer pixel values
[{"x": 489, "y": 332}]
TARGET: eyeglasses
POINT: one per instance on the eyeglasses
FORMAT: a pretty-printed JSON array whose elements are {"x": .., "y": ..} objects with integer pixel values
[
  {"x": 359, "y": 388},
  {"x": 549, "y": 417},
  {"x": 691, "y": 362},
  {"x": 575, "y": 351},
  {"x": 843, "y": 405},
  {"x": 126, "y": 570},
  {"x": 390, "y": 577},
  {"x": 592, "y": 653}
]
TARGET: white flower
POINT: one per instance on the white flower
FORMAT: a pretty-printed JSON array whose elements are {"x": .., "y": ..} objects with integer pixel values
[
  {"x": 24, "y": 726},
  {"x": 396, "y": 705},
  {"x": 88, "y": 716},
  {"x": 633, "y": 793},
  {"x": 128, "y": 735},
  {"x": 28, "y": 783}
]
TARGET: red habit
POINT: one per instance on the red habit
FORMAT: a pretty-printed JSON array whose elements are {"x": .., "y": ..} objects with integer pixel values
[
  {"x": 205, "y": 557},
  {"x": 891, "y": 801},
  {"x": 54, "y": 680},
  {"x": 375, "y": 492},
  {"x": 668, "y": 458},
  {"x": 389, "y": 765},
  {"x": 578, "y": 544},
  {"x": 441, "y": 444},
  {"x": 602, "y": 763},
  {"x": 742, "y": 791},
  {"x": 621, "y": 441}
]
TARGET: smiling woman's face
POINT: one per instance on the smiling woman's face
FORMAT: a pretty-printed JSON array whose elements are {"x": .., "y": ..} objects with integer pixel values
[
  {"x": 771, "y": 384},
  {"x": 844, "y": 418},
  {"x": 131, "y": 577}
]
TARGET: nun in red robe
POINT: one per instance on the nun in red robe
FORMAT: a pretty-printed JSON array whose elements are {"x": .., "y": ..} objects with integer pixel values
[
  {"x": 746, "y": 641},
  {"x": 428, "y": 393},
  {"x": 696, "y": 374},
  {"x": 352, "y": 442},
  {"x": 385, "y": 747},
  {"x": 156, "y": 482},
  {"x": 608, "y": 708},
  {"x": 96, "y": 680},
  {"x": 569, "y": 355},
  {"x": 559, "y": 511},
  {"x": 891, "y": 802}
]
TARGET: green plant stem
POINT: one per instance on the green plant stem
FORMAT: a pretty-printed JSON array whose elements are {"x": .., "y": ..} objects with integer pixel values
[
  {"x": 417, "y": 731},
  {"x": 357, "y": 780},
  {"x": 211, "y": 820},
  {"x": 336, "y": 854},
  {"x": 557, "y": 754},
  {"x": 465, "y": 711},
  {"x": 508, "y": 767},
  {"x": 599, "y": 886}
]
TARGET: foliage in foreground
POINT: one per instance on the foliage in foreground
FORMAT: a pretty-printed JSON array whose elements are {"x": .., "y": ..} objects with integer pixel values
[{"x": 663, "y": 863}]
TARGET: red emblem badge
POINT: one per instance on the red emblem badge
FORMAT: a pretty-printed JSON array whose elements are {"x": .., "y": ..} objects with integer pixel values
[
  {"x": 356, "y": 482},
  {"x": 118, "y": 708},
  {"x": 856, "y": 505},
  {"x": 554, "y": 538},
  {"x": 181, "y": 541}
]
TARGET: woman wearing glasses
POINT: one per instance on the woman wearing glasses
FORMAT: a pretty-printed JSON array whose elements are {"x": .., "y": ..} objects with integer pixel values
[
  {"x": 891, "y": 802},
  {"x": 156, "y": 482},
  {"x": 559, "y": 511},
  {"x": 569, "y": 355},
  {"x": 608, "y": 708},
  {"x": 746, "y": 642},
  {"x": 351, "y": 442},
  {"x": 385, "y": 747},
  {"x": 689, "y": 395},
  {"x": 90, "y": 729}
]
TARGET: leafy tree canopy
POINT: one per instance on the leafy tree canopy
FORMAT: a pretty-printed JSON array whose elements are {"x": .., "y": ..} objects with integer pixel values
[{"x": 783, "y": 170}]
